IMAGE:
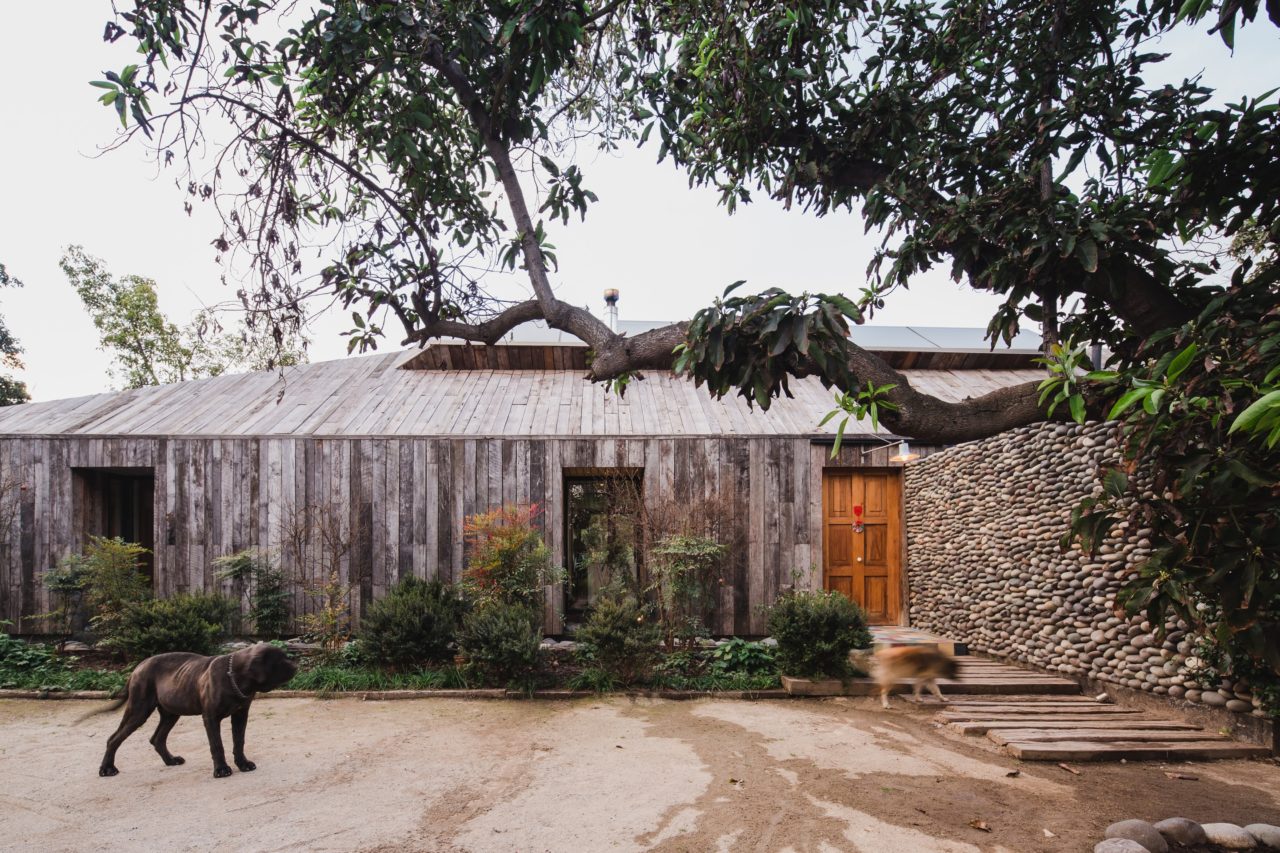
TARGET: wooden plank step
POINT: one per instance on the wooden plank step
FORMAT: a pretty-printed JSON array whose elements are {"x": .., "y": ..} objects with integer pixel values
[
  {"x": 1030, "y": 697},
  {"x": 997, "y": 700},
  {"x": 1021, "y": 710},
  {"x": 963, "y": 688},
  {"x": 978, "y": 727},
  {"x": 974, "y": 679},
  {"x": 1135, "y": 751},
  {"x": 1101, "y": 712},
  {"x": 1006, "y": 736}
]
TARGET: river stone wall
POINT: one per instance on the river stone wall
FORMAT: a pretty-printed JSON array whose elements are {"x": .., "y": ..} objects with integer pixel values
[{"x": 985, "y": 568}]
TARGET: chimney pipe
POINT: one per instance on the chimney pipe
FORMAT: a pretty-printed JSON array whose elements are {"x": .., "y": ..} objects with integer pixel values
[{"x": 611, "y": 307}]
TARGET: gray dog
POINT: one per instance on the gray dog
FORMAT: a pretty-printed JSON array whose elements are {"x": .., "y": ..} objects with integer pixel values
[{"x": 181, "y": 684}]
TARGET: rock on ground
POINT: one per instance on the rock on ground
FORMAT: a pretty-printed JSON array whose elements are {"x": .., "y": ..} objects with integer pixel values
[
  {"x": 1265, "y": 833},
  {"x": 1182, "y": 830},
  {"x": 1119, "y": 845},
  {"x": 1141, "y": 832},
  {"x": 1229, "y": 836}
]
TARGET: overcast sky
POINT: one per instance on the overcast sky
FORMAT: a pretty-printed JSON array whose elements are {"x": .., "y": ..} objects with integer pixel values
[{"x": 669, "y": 249}]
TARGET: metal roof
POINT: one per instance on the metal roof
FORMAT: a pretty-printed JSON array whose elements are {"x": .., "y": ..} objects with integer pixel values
[
  {"x": 888, "y": 338},
  {"x": 369, "y": 395}
]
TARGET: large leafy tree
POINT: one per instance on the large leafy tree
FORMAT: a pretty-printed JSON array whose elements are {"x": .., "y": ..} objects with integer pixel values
[
  {"x": 1038, "y": 150},
  {"x": 148, "y": 348},
  {"x": 11, "y": 390}
]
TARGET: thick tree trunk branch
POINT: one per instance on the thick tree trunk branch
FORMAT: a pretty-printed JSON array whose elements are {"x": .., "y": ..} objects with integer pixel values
[{"x": 919, "y": 415}]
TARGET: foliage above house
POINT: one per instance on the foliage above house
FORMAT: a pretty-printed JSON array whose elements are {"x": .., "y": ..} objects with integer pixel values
[
  {"x": 1029, "y": 148},
  {"x": 1040, "y": 151},
  {"x": 11, "y": 390},
  {"x": 149, "y": 349}
]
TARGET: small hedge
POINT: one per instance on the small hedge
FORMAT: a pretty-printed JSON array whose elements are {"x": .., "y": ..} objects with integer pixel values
[
  {"x": 815, "y": 631},
  {"x": 415, "y": 623},
  {"x": 190, "y": 622},
  {"x": 619, "y": 639},
  {"x": 500, "y": 643}
]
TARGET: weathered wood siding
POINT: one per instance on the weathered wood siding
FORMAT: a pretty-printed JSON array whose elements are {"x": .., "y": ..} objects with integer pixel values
[{"x": 398, "y": 504}]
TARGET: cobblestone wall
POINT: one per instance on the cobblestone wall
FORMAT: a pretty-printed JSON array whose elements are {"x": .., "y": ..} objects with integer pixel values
[{"x": 984, "y": 565}]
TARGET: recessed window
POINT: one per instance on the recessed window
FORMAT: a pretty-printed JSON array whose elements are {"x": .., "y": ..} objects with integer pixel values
[
  {"x": 602, "y": 533},
  {"x": 117, "y": 502}
]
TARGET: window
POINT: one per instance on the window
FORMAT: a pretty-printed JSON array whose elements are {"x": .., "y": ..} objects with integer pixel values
[
  {"x": 602, "y": 507},
  {"x": 117, "y": 502}
]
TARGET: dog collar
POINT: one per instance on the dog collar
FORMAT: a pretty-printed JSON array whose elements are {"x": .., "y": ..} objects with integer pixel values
[{"x": 232, "y": 678}]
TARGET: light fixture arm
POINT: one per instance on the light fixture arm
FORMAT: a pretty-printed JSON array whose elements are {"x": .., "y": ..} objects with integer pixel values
[{"x": 904, "y": 455}]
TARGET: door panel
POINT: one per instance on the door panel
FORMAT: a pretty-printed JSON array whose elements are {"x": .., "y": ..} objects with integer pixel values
[{"x": 864, "y": 565}]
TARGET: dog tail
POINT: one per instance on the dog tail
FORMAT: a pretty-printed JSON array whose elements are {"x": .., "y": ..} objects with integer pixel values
[{"x": 104, "y": 709}]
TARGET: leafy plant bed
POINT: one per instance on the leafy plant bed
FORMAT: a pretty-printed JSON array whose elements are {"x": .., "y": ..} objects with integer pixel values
[
  {"x": 560, "y": 672},
  {"x": 737, "y": 667},
  {"x": 40, "y": 667}
]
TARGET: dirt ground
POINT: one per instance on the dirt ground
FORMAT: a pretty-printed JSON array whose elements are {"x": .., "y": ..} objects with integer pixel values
[{"x": 604, "y": 774}]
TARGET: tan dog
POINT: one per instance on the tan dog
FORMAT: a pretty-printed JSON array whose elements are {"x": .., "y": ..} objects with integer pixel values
[{"x": 924, "y": 664}]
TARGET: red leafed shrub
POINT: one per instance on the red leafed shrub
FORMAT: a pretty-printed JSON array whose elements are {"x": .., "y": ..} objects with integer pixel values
[{"x": 507, "y": 561}]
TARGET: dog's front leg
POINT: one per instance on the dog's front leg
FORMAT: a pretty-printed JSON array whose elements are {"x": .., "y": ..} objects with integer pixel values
[
  {"x": 239, "y": 720},
  {"x": 213, "y": 728}
]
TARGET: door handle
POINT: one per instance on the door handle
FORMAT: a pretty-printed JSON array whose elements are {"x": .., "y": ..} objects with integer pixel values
[{"x": 859, "y": 559}]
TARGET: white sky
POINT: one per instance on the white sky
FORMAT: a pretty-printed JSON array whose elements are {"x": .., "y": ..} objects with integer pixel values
[{"x": 669, "y": 249}]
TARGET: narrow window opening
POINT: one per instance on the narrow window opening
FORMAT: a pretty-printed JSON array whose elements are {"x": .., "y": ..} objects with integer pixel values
[
  {"x": 602, "y": 535},
  {"x": 117, "y": 502}
]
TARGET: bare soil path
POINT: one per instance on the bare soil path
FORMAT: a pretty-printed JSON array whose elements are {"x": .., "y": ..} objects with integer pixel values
[{"x": 586, "y": 775}]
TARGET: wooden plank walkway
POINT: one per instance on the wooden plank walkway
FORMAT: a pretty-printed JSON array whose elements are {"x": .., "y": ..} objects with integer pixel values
[
  {"x": 1037, "y": 717},
  {"x": 990, "y": 678}
]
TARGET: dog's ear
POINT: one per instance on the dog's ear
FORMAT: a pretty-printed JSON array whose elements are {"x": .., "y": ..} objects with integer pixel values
[
  {"x": 257, "y": 663},
  {"x": 271, "y": 667}
]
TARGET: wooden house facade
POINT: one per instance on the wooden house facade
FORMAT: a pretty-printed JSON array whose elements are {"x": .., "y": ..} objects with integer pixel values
[{"x": 367, "y": 467}]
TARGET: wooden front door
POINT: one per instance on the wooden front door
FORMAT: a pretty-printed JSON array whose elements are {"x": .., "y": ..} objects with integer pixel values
[{"x": 862, "y": 544}]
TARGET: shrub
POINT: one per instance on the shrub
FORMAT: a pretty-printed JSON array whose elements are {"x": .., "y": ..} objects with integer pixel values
[
  {"x": 263, "y": 585},
  {"x": 684, "y": 582},
  {"x": 815, "y": 631},
  {"x": 507, "y": 561},
  {"x": 593, "y": 679},
  {"x": 330, "y": 623},
  {"x": 113, "y": 583},
  {"x": 416, "y": 622},
  {"x": 739, "y": 656},
  {"x": 619, "y": 638},
  {"x": 66, "y": 584},
  {"x": 190, "y": 622},
  {"x": 500, "y": 642}
]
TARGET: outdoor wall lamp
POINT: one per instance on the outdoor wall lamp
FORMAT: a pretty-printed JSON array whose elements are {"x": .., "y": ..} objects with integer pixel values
[{"x": 904, "y": 453}]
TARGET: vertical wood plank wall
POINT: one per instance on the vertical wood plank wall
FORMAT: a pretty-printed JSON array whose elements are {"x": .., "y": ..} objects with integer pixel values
[{"x": 400, "y": 502}]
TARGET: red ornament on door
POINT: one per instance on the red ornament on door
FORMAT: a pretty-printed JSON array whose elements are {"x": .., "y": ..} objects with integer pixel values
[{"x": 857, "y": 518}]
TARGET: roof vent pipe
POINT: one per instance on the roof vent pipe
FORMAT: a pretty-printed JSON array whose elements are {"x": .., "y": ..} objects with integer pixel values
[{"x": 611, "y": 307}]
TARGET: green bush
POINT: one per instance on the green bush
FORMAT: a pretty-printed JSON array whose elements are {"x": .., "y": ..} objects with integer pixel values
[
  {"x": 113, "y": 584},
  {"x": 67, "y": 584},
  {"x": 263, "y": 585},
  {"x": 416, "y": 622},
  {"x": 743, "y": 657},
  {"x": 684, "y": 574},
  {"x": 815, "y": 631},
  {"x": 619, "y": 638},
  {"x": 191, "y": 622},
  {"x": 500, "y": 643},
  {"x": 337, "y": 679}
]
